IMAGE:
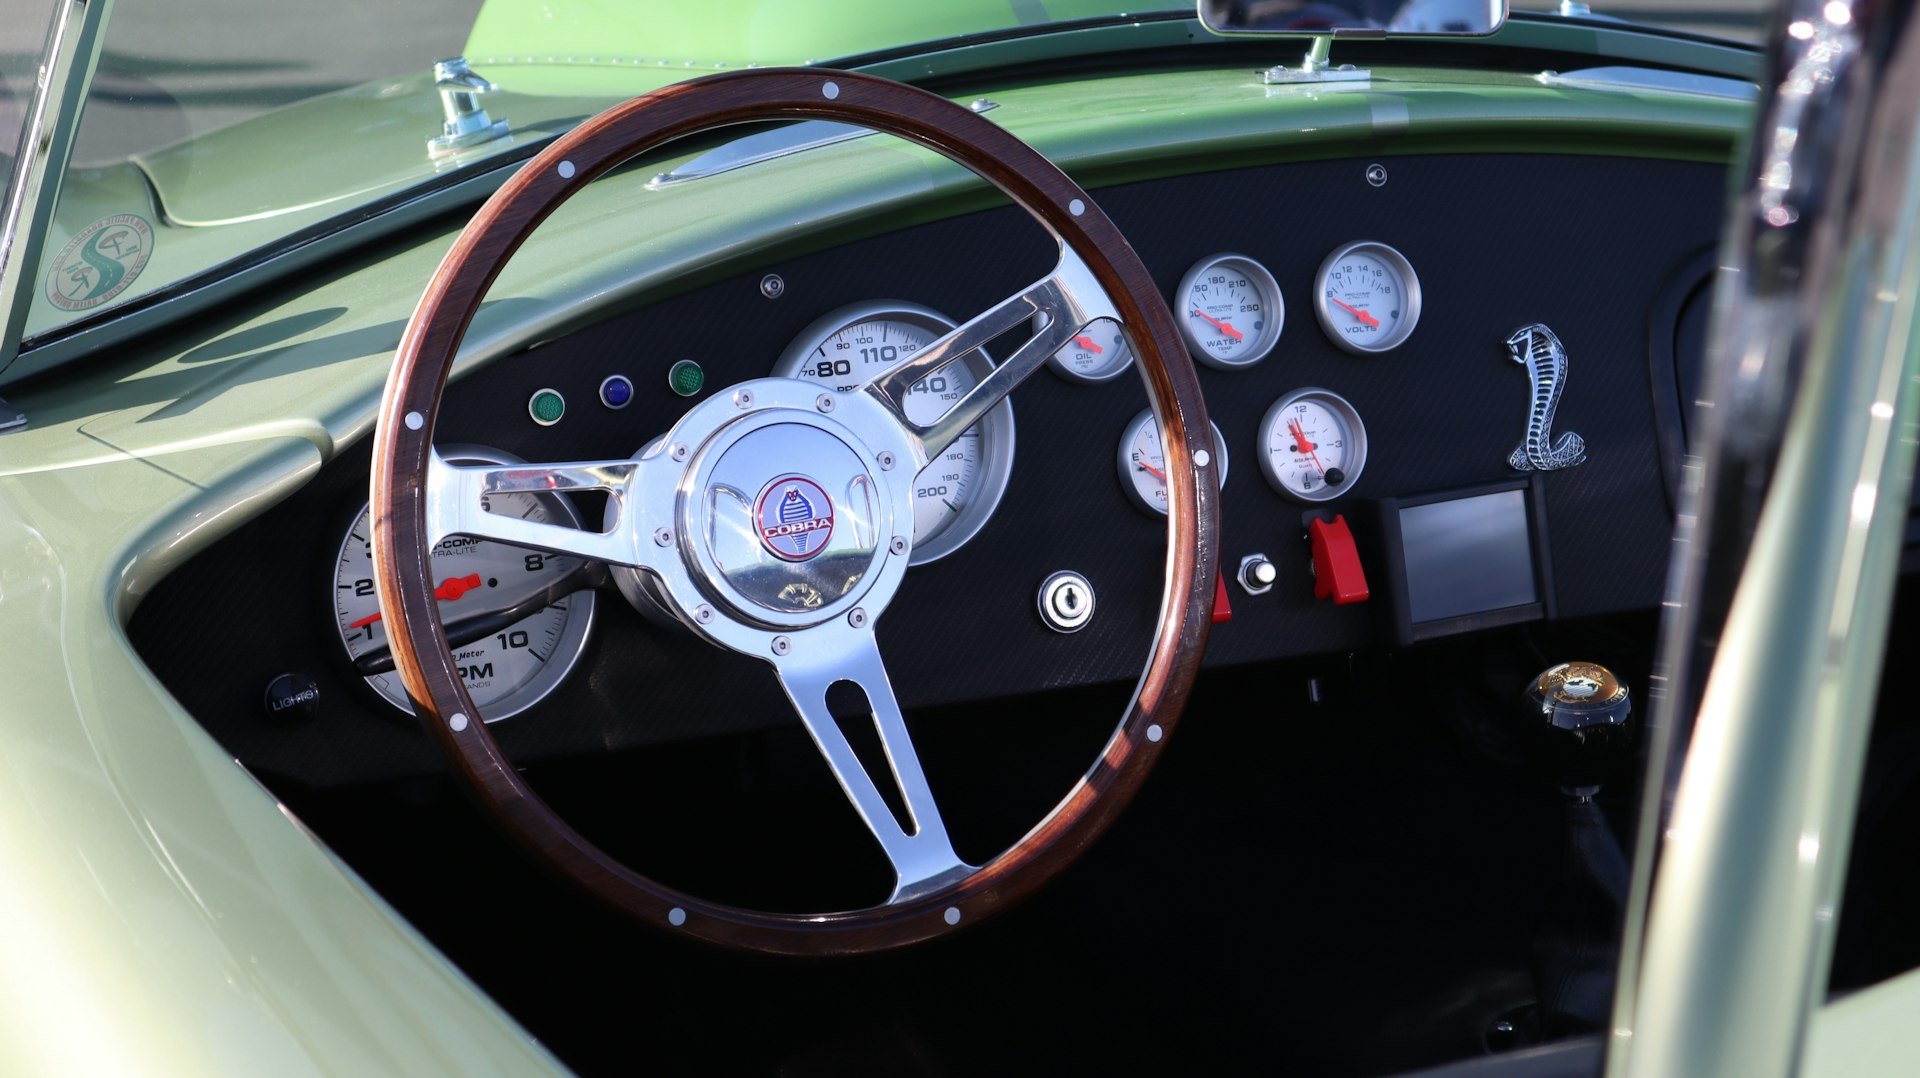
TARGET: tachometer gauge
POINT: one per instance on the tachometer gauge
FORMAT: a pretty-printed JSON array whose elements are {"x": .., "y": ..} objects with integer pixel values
[
  {"x": 1230, "y": 311},
  {"x": 1367, "y": 297},
  {"x": 509, "y": 667},
  {"x": 1143, "y": 468},
  {"x": 1312, "y": 445},
  {"x": 956, "y": 493},
  {"x": 1098, "y": 353}
]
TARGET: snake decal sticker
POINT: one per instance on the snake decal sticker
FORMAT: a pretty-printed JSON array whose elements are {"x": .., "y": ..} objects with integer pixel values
[{"x": 100, "y": 262}]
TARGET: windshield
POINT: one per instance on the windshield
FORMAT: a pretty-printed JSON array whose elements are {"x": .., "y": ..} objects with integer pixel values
[
  {"x": 216, "y": 132},
  {"x": 23, "y": 38},
  {"x": 219, "y": 133}
]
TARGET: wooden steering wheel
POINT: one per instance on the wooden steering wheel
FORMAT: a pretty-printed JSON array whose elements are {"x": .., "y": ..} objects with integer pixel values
[{"x": 776, "y": 520}]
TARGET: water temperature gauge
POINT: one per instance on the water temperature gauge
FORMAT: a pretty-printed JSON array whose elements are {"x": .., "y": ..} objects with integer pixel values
[
  {"x": 1143, "y": 468},
  {"x": 1312, "y": 445},
  {"x": 1230, "y": 311}
]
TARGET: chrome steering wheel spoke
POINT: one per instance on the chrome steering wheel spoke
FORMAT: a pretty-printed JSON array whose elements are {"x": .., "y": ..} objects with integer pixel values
[
  {"x": 922, "y": 855},
  {"x": 458, "y": 498},
  {"x": 1069, "y": 297}
]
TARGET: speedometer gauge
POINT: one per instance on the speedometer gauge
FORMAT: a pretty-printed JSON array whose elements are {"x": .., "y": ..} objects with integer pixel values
[
  {"x": 1230, "y": 311},
  {"x": 1143, "y": 465},
  {"x": 1367, "y": 297},
  {"x": 1312, "y": 445},
  {"x": 955, "y": 494},
  {"x": 507, "y": 667}
]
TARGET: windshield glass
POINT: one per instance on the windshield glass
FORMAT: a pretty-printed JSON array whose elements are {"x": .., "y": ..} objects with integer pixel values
[{"x": 219, "y": 133}]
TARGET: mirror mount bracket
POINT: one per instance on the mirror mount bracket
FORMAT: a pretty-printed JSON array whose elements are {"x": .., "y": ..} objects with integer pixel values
[{"x": 1315, "y": 67}]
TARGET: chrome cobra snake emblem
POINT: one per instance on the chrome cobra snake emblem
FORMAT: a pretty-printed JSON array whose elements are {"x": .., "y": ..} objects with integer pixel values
[{"x": 1537, "y": 349}]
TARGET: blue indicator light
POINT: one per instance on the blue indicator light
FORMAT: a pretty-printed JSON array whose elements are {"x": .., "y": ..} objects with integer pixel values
[{"x": 616, "y": 391}]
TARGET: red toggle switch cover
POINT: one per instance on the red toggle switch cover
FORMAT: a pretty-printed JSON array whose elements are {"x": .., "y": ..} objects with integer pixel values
[
  {"x": 1336, "y": 564},
  {"x": 1222, "y": 610}
]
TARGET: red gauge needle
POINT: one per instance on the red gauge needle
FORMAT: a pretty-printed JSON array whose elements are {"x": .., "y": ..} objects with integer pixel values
[
  {"x": 1300, "y": 443},
  {"x": 450, "y": 589},
  {"x": 1087, "y": 343},
  {"x": 1365, "y": 318},
  {"x": 1151, "y": 470},
  {"x": 1222, "y": 326}
]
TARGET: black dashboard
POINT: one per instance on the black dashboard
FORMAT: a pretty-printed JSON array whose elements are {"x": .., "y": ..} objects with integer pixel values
[{"x": 1607, "y": 251}]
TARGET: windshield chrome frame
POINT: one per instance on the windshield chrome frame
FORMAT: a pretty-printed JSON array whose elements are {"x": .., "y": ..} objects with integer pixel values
[
  {"x": 1786, "y": 556},
  {"x": 67, "y": 64}
]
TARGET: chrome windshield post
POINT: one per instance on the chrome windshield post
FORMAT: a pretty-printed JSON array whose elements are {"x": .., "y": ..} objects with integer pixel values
[{"x": 67, "y": 64}]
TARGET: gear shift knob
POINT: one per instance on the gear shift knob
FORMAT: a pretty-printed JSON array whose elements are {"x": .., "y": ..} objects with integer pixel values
[{"x": 1579, "y": 714}]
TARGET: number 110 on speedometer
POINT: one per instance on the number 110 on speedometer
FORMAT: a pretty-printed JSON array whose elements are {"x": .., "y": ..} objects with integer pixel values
[{"x": 957, "y": 491}]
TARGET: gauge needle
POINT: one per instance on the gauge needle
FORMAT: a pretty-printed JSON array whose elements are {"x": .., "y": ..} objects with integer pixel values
[
  {"x": 1300, "y": 443},
  {"x": 481, "y": 623},
  {"x": 1087, "y": 343},
  {"x": 1222, "y": 326},
  {"x": 450, "y": 589},
  {"x": 1151, "y": 470},
  {"x": 1365, "y": 318}
]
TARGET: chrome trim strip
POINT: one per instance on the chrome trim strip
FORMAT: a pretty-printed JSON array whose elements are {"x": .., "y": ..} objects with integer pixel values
[
  {"x": 771, "y": 145},
  {"x": 1640, "y": 79}
]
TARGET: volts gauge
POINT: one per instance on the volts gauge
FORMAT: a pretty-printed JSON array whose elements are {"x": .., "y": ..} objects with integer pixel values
[
  {"x": 1230, "y": 311},
  {"x": 1098, "y": 353},
  {"x": 1367, "y": 297},
  {"x": 1313, "y": 446},
  {"x": 1143, "y": 465}
]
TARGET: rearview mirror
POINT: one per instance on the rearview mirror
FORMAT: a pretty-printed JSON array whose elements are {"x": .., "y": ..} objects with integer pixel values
[{"x": 1363, "y": 18}]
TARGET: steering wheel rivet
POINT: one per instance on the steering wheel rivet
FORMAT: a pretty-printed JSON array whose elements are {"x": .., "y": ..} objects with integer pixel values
[
  {"x": 676, "y": 917},
  {"x": 857, "y": 618},
  {"x": 782, "y": 645},
  {"x": 663, "y": 537},
  {"x": 1076, "y": 207},
  {"x": 566, "y": 170},
  {"x": 703, "y": 613},
  {"x": 952, "y": 915},
  {"x": 824, "y": 402},
  {"x": 898, "y": 545},
  {"x": 1202, "y": 458},
  {"x": 415, "y": 421},
  {"x": 831, "y": 89},
  {"x": 1154, "y": 733},
  {"x": 457, "y": 722},
  {"x": 679, "y": 452},
  {"x": 886, "y": 460}
]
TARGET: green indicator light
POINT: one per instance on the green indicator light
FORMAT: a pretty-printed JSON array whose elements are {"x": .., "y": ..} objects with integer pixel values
[
  {"x": 546, "y": 406},
  {"x": 686, "y": 377}
]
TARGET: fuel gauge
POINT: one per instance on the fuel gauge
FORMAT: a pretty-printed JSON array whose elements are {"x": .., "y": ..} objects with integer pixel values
[{"x": 1143, "y": 466}]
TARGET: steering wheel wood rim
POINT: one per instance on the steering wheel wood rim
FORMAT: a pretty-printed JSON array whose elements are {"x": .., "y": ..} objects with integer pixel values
[{"x": 404, "y": 434}]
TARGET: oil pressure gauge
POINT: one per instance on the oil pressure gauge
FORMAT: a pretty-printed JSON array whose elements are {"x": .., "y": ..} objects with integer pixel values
[
  {"x": 1143, "y": 467},
  {"x": 1230, "y": 311},
  {"x": 1312, "y": 445},
  {"x": 1367, "y": 297},
  {"x": 1098, "y": 353}
]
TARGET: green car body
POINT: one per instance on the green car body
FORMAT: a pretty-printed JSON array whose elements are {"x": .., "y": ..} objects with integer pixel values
[{"x": 163, "y": 913}]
